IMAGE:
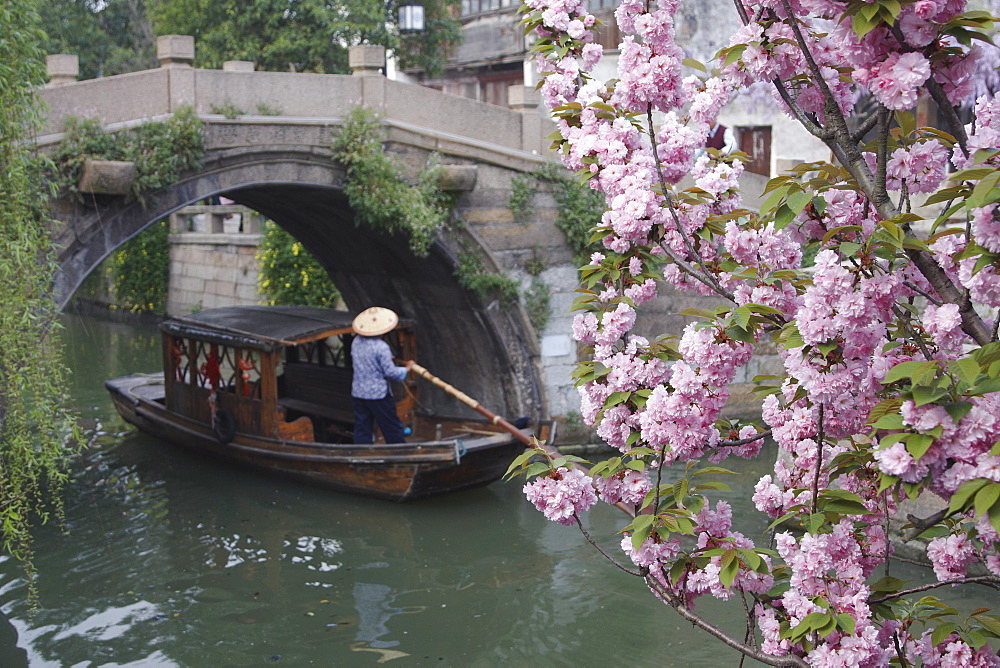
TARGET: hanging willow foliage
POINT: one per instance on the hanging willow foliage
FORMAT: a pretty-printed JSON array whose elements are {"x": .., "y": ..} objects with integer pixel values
[{"x": 38, "y": 431}]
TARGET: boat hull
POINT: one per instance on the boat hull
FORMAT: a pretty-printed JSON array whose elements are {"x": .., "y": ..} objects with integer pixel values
[{"x": 396, "y": 472}]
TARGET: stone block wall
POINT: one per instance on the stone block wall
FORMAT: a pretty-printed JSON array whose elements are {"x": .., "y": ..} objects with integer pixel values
[{"x": 209, "y": 269}]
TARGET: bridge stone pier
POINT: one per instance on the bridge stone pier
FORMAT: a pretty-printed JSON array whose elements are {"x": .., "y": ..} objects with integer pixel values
[{"x": 270, "y": 151}]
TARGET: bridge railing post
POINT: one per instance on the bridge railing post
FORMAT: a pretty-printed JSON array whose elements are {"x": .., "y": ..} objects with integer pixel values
[
  {"x": 366, "y": 60},
  {"x": 526, "y": 100},
  {"x": 64, "y": 68},
  {"x": 176, "y": 55}
]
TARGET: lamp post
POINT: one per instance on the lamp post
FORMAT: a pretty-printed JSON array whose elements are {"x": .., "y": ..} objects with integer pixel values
[
  {"x": 410, "y": 21},
  {"x": 411, "y": 17}
]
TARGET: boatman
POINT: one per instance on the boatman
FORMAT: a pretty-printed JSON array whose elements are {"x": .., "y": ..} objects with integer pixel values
[{"x": 373, "y": 369}]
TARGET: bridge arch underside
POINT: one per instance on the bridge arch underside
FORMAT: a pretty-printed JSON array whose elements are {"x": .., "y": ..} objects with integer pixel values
[{"x": 479, "y": 348}]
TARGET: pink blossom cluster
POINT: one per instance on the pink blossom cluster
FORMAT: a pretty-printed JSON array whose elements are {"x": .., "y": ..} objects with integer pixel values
[
  {"x": 563, "y": 495},
  {"x": 961, "y": 453},
  {"x": 986, "y": 134},
  {"x": 679, "y": 416},
  {"x": 920, "y": 167},
  {"x": 840, "y": 327},
  {"x": 952, "y": 652},
  {"x": 833, "y": 566},
  {"x": 627, "y": 486},
  {"x": 713, "y": 531}
]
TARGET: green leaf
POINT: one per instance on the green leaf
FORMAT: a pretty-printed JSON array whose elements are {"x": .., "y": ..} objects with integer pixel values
[
  {"x": 519, "y": 460},
  {"x": 730, "y": 568},
  {"x": 888, "y": 584},
  {"x": 963, "y": 496},
  {"x": 698, "y": 313},
  {"x": 946, "y": 194},
  {"x": 957, "y": 410},
  {"x": 994, "y": 516},
  {"x": 986, "y": 497},
  {"x": 616, "y": 398},
  {"x": 742, "y": 315},
  {"x": 694, "y": 64},
  {"x": 983, "y": 193},
  {"x": 989, "y": 622},
  {"x": 844, "y": 507},
  {"x": 884, "y": 408},
  {"x": 915, "y": 370},
  {"x": 890, "y": 421},
  {"x": 973, "y": 174},
  {"x": 845, "y": 622},
  {"x": 907, "y": 122},
  {"x": 783, "y": 216},
  {"x": 886, "y": 481},
  {"x": 641, "y": 527},
  {"x": 734, "y": 54},
  {"x": 677, "y": 570},
  {"x": 918, "y": 444},
  {"x": 923, "y": 395},
  {"x": 798, "y": 201},
  {"x": 942, "y": 632}
]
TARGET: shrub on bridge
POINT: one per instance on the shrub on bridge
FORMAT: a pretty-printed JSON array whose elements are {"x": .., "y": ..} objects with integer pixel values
[
  {"x": 377, "y": 191},
  {"x": 160, "y": 150}
]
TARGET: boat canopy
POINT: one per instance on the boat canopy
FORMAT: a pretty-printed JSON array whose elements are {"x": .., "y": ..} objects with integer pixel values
[{"x": 263, "y": 327}]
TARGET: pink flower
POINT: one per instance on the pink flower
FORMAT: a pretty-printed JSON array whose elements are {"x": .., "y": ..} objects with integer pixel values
[
  {"x": 562, "y": 495},
  {"x": 896, "y": 81},
  {"x": 950, "y": 556}
]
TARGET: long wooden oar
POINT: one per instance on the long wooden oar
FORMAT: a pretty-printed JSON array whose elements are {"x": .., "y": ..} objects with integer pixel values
[
  {"x": 496, "y": 419},
  {"x": 471, "y": 403}
]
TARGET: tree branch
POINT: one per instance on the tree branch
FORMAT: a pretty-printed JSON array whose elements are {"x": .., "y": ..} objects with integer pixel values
[
  {"x": 850, "y": 154},
  {"x": 819, "y": 462},
  {"x": 744, "y": 441},
  {"x": 708, "y": 279},
  {"x": 991, "y": 581},
  {"x": 675, "y": 602},
  {"x": 597, "y": 547}
]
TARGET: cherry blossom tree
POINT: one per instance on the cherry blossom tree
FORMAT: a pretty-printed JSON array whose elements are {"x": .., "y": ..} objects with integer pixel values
[{"x": 891, "y": 362}]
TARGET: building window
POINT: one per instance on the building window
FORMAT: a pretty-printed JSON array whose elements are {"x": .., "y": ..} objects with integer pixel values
[
  {"x": 755, "y": 141},
  {"x": 481, "y": 6}
]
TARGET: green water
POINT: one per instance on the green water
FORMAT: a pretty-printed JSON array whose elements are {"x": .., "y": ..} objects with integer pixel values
[{"x": 175, "y": 560}]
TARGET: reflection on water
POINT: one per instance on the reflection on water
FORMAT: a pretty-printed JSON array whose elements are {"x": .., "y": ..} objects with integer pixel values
[{"x": 174, "y": 560}]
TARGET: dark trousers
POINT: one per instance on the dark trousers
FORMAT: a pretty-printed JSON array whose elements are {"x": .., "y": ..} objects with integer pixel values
[{"x": 382, "y": 411}]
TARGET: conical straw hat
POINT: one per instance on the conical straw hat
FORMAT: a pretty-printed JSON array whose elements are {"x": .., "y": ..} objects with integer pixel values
[{"x": 375, "y": 321}]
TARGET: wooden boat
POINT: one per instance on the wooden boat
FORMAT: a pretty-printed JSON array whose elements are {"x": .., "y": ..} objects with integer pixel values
[{"x": 270, "y": 387}]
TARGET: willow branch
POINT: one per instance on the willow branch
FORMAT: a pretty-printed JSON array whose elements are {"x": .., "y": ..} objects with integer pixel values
[
  {"x": 921, "y": 524},
  {"x": 939, "y": 96},
  {"x": 688, "y": 269},
  {"x": 807, "y": 121},
  {"x": 866, "y": 126},
  {"x": 742, "y": 11},
  {"x": 883, "y": 150}
]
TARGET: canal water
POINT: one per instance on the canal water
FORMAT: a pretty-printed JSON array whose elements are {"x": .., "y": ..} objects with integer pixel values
[{"x": 170, "y": 559}]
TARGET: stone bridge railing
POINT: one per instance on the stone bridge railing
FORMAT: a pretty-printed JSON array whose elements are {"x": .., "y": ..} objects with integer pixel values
[{"x": 126, "y": 99}]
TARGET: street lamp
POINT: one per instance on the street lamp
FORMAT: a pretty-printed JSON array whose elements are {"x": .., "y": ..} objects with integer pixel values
[{"x": 411, "y": 17}]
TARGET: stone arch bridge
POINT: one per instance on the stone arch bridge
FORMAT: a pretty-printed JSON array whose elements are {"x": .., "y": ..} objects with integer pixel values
[{"x": 281, "y": 166}]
